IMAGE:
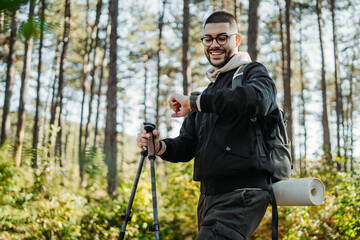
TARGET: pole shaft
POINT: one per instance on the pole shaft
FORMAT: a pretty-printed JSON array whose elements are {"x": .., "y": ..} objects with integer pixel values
[
  {"x": 132, "y": 196},
  {"x": 153, "y": 187}
]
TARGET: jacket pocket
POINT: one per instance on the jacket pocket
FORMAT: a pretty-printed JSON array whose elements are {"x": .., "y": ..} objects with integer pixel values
[{"x": 232, "y": 144}]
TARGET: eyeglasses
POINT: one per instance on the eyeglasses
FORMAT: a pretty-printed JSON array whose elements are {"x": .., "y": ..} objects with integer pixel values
[{"x": 221, "y": 39}]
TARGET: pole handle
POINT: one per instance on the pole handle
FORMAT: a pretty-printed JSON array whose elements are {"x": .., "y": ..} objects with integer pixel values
[{"x": 149, "y": 127}]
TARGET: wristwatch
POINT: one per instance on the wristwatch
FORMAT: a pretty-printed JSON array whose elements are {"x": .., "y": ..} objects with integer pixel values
[{"x": 193, "y": 97}]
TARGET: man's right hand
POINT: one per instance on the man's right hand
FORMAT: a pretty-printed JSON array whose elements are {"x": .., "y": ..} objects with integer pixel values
[{"x": 143, "y": 138}]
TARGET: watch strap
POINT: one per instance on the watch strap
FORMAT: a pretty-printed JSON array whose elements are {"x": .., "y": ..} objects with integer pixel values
[{"x": 193, "y": 97}]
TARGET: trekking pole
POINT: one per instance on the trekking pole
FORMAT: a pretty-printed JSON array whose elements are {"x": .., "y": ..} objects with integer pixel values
[{"x": 149, "y": 127}]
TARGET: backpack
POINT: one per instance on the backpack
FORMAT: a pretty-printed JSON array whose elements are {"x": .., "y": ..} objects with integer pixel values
[
  {"x": 275, "y": 141},
  {"x": 272, "y": 137}
]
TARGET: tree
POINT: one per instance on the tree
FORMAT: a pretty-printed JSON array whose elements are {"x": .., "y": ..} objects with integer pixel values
[
  {"x": 85, "y": 89},
  {"x": 53, "y": 129},
  {"x": 160, "y": 28},
  {"x": 325, "y": 121},
  {"x": 186, "y": 56},
  {"x": 302, "y": 108},
  {"x": 282, "y": 41},
  {"x": 34, "y": 163},
  {"x": 110, "y": 147},
  {"x": 56, "y": 118},
  {"x": 338, "y": 92},
  {"x": 351, "y": 109},
  {"x": 10, "y": 73},
  {"x": 145, "y": 59},
  {"x": 253, "y": 29},
  {"x": 288, "y": 75},
  {"x": 94, "y": 70},
  {"x": 93, "y": 74},
  {"x": 104, "y": 64},
  {"x": 20, "y": 130}
]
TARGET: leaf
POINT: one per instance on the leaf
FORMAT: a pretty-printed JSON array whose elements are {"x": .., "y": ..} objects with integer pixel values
[
  {"x": 12, "y": 5},
  {"x": 29, "y": 29}
]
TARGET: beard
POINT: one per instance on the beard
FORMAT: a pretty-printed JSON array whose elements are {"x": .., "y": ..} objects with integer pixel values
[{"x": 227, "y": 57}]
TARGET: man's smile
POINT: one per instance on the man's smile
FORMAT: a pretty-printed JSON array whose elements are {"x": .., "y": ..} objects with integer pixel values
[{"x": 216, "y": 52}]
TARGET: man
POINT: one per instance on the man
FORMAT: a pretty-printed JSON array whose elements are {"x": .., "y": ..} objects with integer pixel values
[{"x": 219, "y": 131}]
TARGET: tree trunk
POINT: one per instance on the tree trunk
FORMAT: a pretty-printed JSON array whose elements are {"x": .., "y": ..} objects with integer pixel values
[
  {"x": 302, "y": 112},
  {"x": 110, "y": 147},
  {"x": 85, "y": 89},
  {"x": 339, "y": 103},
  {"x": 50, "y": 103},
  {"x": 253, "y": 29},
  {"x": 325, "y": 121},
  {"x": 93, "y": 72},
  {"x": 10, "y": 73},
  {"x": 20, "y": 131},
  {"x": 160, "y": 27},
  {"x": 236, "y": 13},
  {"x": 145, "y": 59},
  {"x": 59, "y": 95},
  {"x": 186, "y": 56},
  {"x": 288, "y": 76},
  {"x": 59, "y": 151},
  {"x": 56, "y": 80},
  {"x": 104, "y": 65},
  {"x": 283, "y": 53},
  {"x": 34, "y": 162},
  {"x": 351, "y": 111},
  {"x": 122, "y": 124},
  {"x": 2, "y": 20}
]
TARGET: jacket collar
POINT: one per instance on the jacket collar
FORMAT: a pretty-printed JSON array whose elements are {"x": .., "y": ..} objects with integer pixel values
[{"x": 236, "y": 61}]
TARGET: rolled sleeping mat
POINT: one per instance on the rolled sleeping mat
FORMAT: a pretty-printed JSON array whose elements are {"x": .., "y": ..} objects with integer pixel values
[{"x": 299, "y": 192}]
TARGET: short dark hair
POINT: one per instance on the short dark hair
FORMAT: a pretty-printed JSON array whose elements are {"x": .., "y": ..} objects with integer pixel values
[{"x": 221, "y": 17}]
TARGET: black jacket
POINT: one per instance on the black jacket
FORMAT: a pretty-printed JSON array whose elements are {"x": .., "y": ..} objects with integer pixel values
[{"x": 222, "y": 137}]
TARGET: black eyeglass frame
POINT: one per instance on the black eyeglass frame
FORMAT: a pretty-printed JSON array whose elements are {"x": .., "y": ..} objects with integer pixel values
[{"x": 216, "y": 39}]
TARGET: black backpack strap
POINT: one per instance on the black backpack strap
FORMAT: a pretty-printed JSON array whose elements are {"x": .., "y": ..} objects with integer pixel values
[
  {"x": 275, "y": 214},
  {"x": 237, "y": 77},
  {"x": 259, "y": 136},
  {"x": 237, "y": 81}
]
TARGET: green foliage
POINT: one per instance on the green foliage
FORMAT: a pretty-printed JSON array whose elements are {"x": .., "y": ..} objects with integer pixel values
[
  {"x": 30, "y": 214},
  {"x": 95, "y": 164},
  {"x": 63, "y": 211},
  {"x": 28, "y": 29},
  {"x": 180, "y": 196},
  {"x": 7, "y": 172},
  {"x": 347, "y": 215},
  {"x": 101, "y": 219},
  {"x": 11, "y": 5},
  {"x": 337, "y": 218},
  {"x": 57, "y": 216}
]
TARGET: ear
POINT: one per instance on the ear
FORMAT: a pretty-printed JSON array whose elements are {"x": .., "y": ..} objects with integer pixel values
[{"x": 238, "y": 39}]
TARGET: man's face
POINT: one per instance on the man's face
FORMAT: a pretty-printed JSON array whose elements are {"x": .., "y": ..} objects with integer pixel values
[{"x": 218, "y": 55}]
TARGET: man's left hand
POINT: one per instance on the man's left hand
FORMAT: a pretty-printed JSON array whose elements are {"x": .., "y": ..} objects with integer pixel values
[{"x": 180, "y": 104}]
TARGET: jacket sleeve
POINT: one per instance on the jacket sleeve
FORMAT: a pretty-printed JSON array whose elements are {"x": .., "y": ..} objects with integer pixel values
[
  {"x": 182, "y": 148},
  {"x": 256, "y": 97}
]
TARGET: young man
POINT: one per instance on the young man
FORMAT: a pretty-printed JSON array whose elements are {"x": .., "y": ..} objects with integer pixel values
[{"x": 219, "y": 131}]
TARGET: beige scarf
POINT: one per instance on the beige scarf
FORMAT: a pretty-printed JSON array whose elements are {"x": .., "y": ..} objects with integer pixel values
[{"x": 236, "y": 61}]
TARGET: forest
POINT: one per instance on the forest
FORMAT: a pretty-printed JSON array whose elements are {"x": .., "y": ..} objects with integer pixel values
[{"x": 78, "y": 79}]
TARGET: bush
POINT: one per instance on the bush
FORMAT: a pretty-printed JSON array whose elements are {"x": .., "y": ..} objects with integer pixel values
[{"x": 63, "y": 211}]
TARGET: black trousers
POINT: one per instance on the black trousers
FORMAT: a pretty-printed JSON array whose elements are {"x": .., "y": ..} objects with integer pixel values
[{"x": 232, "y": 216}]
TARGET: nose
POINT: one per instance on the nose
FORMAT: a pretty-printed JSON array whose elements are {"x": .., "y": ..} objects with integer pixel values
[{"x": 214, "y": 42}]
